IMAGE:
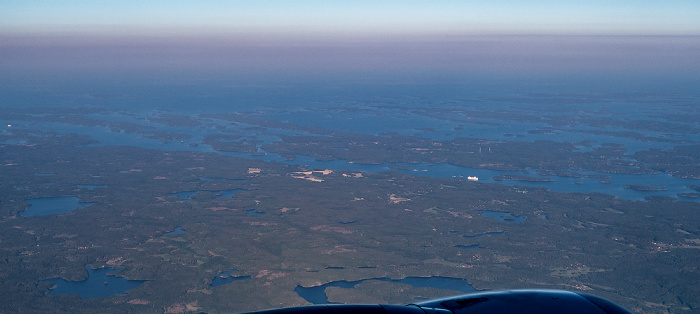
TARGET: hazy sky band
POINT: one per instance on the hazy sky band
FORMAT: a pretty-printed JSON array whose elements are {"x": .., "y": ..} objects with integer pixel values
[
  {"x": 492, "y": 53},
  {"x": 363, "y": 17},
  {"x": 291, "y": 38}
]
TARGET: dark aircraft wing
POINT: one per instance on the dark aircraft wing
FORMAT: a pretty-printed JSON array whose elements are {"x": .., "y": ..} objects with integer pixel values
[{"x": 491, "y": 302}]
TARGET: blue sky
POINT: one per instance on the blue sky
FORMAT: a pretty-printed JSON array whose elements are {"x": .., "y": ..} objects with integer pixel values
[{"x": 361, "y": 16}]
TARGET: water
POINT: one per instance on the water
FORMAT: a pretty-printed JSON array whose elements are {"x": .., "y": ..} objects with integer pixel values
[
  {"x": 503, "y": 216},
  {"x": 52, "y": 205},
  {"x": 253, "y": 212},
  {"x": 226, "y": 277},
  {"x": 229, "y": 193},
  {"x": 177, "y": 231},
  {"x": 479, "y": 235},
  {"x": 317, "y": 294},
  {"x": 99, "y": 284},
  {"x": 429, "y": 110},
  {"x": 186, "y": 195},
  {"x": 346, "y": 222},
  {"x": 467, "y": 247}
]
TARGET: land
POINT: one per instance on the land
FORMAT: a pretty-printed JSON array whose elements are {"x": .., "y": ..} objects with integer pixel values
[
  {"x": 402, "y": 227},
  {"x": 682, "y": 161},
  {"x": 645, "y": 188},
  {"x": 521, "y": 178},
  {"x": 293, "y": 225}
]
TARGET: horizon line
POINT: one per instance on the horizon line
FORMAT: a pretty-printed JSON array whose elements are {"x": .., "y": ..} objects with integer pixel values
[{"x": 315, "y": 35}]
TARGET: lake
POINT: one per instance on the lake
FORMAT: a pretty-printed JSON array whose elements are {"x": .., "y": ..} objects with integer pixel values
[
  {"x": 53, "y": 205},
  {"x": 226, "y": 277},
  {"x": 317, "y": 294},
  {"x": 503, "y": 216},
  {"x": 99, "y": 284},
  {"x": 177, "y": 231},
  {"x": 186, "y": 195}
]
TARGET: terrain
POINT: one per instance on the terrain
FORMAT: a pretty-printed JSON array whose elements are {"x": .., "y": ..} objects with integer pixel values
[{"x": 294, "y": 223}]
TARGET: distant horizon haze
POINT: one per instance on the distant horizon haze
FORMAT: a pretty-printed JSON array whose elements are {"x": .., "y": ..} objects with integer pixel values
[
  {"x": 491, "y": 51},
  {"x": 611, "y": 43}
]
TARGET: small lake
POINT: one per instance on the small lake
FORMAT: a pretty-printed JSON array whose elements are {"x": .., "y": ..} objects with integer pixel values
[
  {"x": 503, "y": 216},
  {"x": 480, "y": 235},
  {"x": 228, "y": 193},
  {"x": 52, "y": 205},
  {"x": 99, "y": 284},
  {"x": 177, "y": 230},
  {"x": 467, "y": 247},
  {"x": 226, "y": 277},
  {"x": 186, "y": 195},
  {"x": 253, "y": 212},
  {"x": 317, "y": 294}
]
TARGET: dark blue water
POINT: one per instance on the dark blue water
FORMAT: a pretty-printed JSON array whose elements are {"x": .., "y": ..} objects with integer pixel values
[
  {"x": 346, "y": 222},
  {"x": 99, "y": 284},
  {"x": 479, "y": 235},
  {"x": 317, "y": 294},
  {"x": 229, "y": 193},
  {"x": 186, "y": 195},
  {"x": 52, "y": 205},
  {"x": 226, "y": 277},
  {"x": 177, "y": 231},
  {"x": 467, "y": 247},
  {"x": 253, "y": 212},
  {"x": 503, "y": 216}
]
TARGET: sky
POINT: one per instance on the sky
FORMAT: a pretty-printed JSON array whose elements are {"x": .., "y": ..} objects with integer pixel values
[
  {"x": 446, "y": 39},
  {"x": 657, "y": 17}
]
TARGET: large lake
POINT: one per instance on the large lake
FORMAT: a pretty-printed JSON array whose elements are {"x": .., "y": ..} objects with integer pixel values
[
  {"x": 52, "y": 205},
  {"x": 317, "y": 294},
  {"x": 99, "y": 284}
]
